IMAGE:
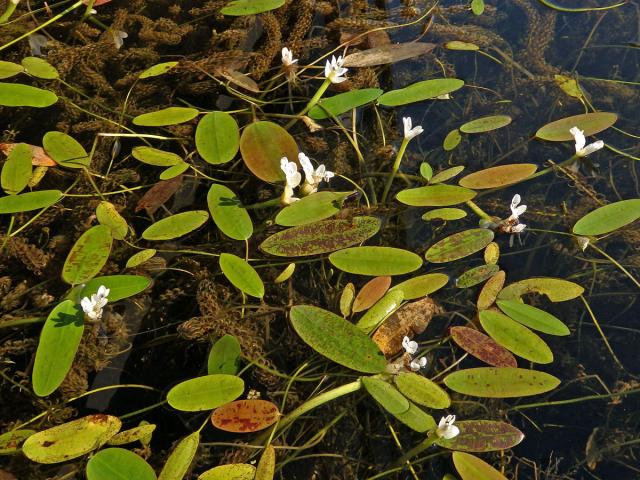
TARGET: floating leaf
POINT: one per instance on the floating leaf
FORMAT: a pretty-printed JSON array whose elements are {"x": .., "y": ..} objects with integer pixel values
[
  {"x": 118, "y": 464},
  {"x": 482, "y": 436},
  {"x": 471, "y": 467},
  {"x": 569, "y": 86},
  {"x": 140, "y": 257},
  {"x": 311, "y": 209},
  {"x": 499, "y": 176},
  {"x": 375, "y": 261},
  {"x": 59, "y": 340},
  {"x": 370, "y": 293},
  {"x": 72, "y": 439},
  {"x": 417, "y": 92},
  {"x": 159, "y": 69},
  {"x": 482, "y": 347},
  {"x": 262, "y": 145},
  {"x": 180, "y": 459},
  {"x": 486, "y": 124},
  {"x": 320, "y": 237},
  {"x": 452, "y": 140},
  {"x": 88, "y": 255},
  {"x": 224, "y": 356},
  {"x": 250, "y": 7},
  {"x": 16, "y": 171},
  {"x": 435, "y": 196},
  {"x": 533, "y": 317},
  {"x": 476, "y": 275},
  {"x": 132, "y": 435},
  {"x": 19, "y": 95},
  {"x": 386, "y": 395},
  {"x": 235, "y": 471},
  {"x": 557, "y": 289},
  {"x": 337, "y": 339},
  {"x": 25, "y": 202},
  {"x": 392, "y": 53},
  {"x": 446, "y": 214},
  {"x": 416, "y": 419},
  {"x": 9, "y": 69},
  {"x": 285, "y": 274},
  {"x": 343, "y": 102},
  {"x": 245, "y": 416},
  {"x": 38, "y": 156},
  {"x": 157, "y": 195},
  {"x": 40, "y": 68},
  {"x": 422, "y": 391},
  {"x": 458, "y": 45},
  {"x": 267, "y": 465},
  {"x": 65, "y": 150},
  {"x": 166, "y": 116},
  {"x": 477, "y": 7},
  {"x": 176, "y": 225},
  {"x": 380, "y": 311},
  {"x": 10, "y": 442},
  {"x": 491, "y": 253},
  {"x": 608, "y": 218},
  {"x": 346, "y": 299},
  {"x": 228, "y": 214},
  {"x": 515, "y": 337},
  {"x": 153, "y": 156},
  {"x": 426, "y": 171},
  {"x": 490, "y": 290},
  {"x": 502, "y": 382},
  {"x": 107, "y": 215},
  {"x": 241, "y": 275},
  {"x": 422, "y": 285},
  {"x": 591, "y": 123},
  {"x": 120, "y": 286},
  {"x": 218, "y": 138},
  {"x": 447, "y": 174},
  {"x": 174, "y": 171},
  {"x": 459, "y": 245},
  {"x": 205, "y": 393}
]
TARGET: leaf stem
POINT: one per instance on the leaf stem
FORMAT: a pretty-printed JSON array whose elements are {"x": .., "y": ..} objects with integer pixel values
[
  {"x": 418, "y": 449},
  {"x": 312, "y": 103},
  {"x": 394, "y": 169}
]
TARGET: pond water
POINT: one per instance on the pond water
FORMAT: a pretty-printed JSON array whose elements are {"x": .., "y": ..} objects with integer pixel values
[{"x": 524, "y": 63}]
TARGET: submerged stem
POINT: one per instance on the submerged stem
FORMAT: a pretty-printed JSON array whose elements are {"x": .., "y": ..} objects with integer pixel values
[
  {"x": 418, "y": 449},
  {"x": 312, "y": 103},
  {"x": 394, "y": 169}
]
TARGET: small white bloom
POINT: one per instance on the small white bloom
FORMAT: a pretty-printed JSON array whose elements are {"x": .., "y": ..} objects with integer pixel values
[
  {"x": 334, "y": 70},
  {"x": 418, "y": 363},
  {"x": 313, "y": 177},
  {"x": 36, "y": 42},
  {"x": 409, "y": 345},
  {"x": 94, "y": 306},
  {"x": 287, "y": 57},
  {"x": 516, "y": 208},
  {"x": 581, "y": 150},
  {"x": 512, "y": 224},
  {"x": 446, "y": 428},
  {"x": 118, "y": 37},
  {"x": 293, "y": 179},
  {"x": 409, "y": 132}
]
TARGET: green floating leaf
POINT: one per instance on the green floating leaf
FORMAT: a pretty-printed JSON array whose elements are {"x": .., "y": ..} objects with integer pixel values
[
  {"x": 343, "y": 102},
  {"x": 267, "y": 465},
  {"x": 65, "y": 150},
  {"x": 471, "y": 467},
  {"x": 235, "y": 471},
  {"x": 11, "y": 442},
  {"x": 72, "y": 439},
  {"x": 499, "y": 176},
  {"x": 262, "y": 145},
  {"x": 140, "y": 257},
  {"x": 176, "y": 225},
  {"x": 228, "y": 214},
  {"x": 224, "y": 356},
  {"x": 608, "y": 218},
  {"x": 386, "y": 395},
  {"x": 446, "y": 214},
  {"x": 238, "y": 8},
  {"x": 417, "y": 92},
  {"x": 153, "y": 156},
  {"x": 426, "y": 171},
  {"x": 118, "y": 464},
  {"x": 19, "y": 95},
  {"x": 459, "y": 245},
  {"x": 477, "y": 7},
  {"x": 218, "y": 138},
  {"x": 285, "y": 274},
  {"x": 447, "y": 174},
  {"x": 591, "y": 123},
  {"x": 452, "y": 140},
  {"x": 515, "y": 337},
  {"x": 482, "y": 436},
  {"x": 9, "y": 69},
  {"x": 159, "y": 69},
  {"x": 40, "y": 68},
  {"x": 337, "y": 339},
  {"x": 476, "y": 275},
  {"x": 500, "y": 382},
  {"x": 486, "y": 124},
  {"x": 166, "y": 116},
  {"x": 422, "y": 391},
  {"x": 347, "y": 299},
  {"x": 241, "y": 275},
  {"x": 375, "y": 261},
  {"x": 384, "y": 307},
  {"x": 416, "y": 419},
  {"x": 174, "y": 171},
  {"x": 59, "y": 340},
  {"x": 435, "y": 196},
  {"x": 25, "y": 202},
  {"x": 482, "y": 347},
  {"x": 205, "y": 393},
  {"x": 107, "y": 214},
  {"x": 16, "y": 171},
  {"x": 88, "y": 255},
  {"x": 458, "y": 45},
  {"x": 422, "y": 285},
  {"x": 180, "y": 458},
  {"x": 133, "y": 434},
  {"x": 385, "y": 54},
  {"x": 120, "y": 286},
  {"x": 311, "y": 209},
  {"x": 557, "y": 289},
  {"x": 533, "y": 317},
  {"x": 321, "y": 237}
]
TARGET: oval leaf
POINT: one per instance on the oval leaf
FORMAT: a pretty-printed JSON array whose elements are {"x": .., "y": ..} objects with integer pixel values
[
  {"x": 459, "y": 245},
  {"x": 370, "y": 293},
  {"x": 228, "y": 214},
  {"x": 176, "y": 225},
  {"x": 446, "y": 174},
  {"x": 375, "y": 261},
  {"x": 65, "y": 150},
  {"x": 180, "y": 458},
  {"x": 40, "y": 68},
  {"x": 490, "y": 290},
  {"x": 132, "y": 435},
  {"x": 386, "y": 395},
  {"x": 224, "y": 356},
  {"x": 486, "y": 124},
  {"x": 422, "y": 391},
  {"x": 343, "y": 102},
  {"x": 107, "y": 215},
  {"x": 483, "y": 436},
  {"x": 153, "y": 156},
  {"x": 159, "y": 69},
  {"x": 311, "y": 209},
  {"x": 557, "y": 289},
  {"x": 166, "y": 116},
  {"x": 205, "y": 393},
  {"x": 241, "y": 275},
  {"x": 245, "y": 416},
  {"x": 482, "y": 347},
  {"x": 140, "y": 257},
  {"x": 380, "y": 311},
  {"x": 420, "y": 91},
  {"x": 235, "y": 471},
  {"x": 591, "y": 123},
  {"x": 25, "y": 202},
  {"x": 18, "y": 95},
  {"x": 418, "y": 287},
  {"x": 9, "y": 69},
  {"x": 262, "y": 145},
  {"x": 88, "y": 255},
  {"x": 472, "y": 468},
  {"x": 445, "y": 214},
  {"x": 499, "y": 176},
  {"x": 392, "y": 53},
  {"x": 608, "y": 218},
  {"x": 218, "y": 138},
  {"x": 533, "y": 317},
  {"x": 250, "y": 7},
  {"x": 120, "y": 286},
  {"x": 500, "y": 382},
  {"x": 118, "y": 464},
  {"x": 416, "y": 419},
  {"x": 476, "y": 275},
  {"x": 435, "y": 196},
  {"x": 267, "y": 465},
  {"x": 452, "y": 140},
  {"x": 16, "y": 171}
]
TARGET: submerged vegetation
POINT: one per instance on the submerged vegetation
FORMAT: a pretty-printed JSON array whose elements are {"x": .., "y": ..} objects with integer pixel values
[{"x": 259, "y": 239}]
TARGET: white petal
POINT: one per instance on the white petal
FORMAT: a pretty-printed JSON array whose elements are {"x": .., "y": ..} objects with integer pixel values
[
  {"x": 442, "y": 423},
  {"x": 407, "y": 125},
  {"x": 518, "y": 210},
  {"x": 86, "y": 305},
  {"x": 327, "y": 69},
  {"x": 450, "y": 432},
  {"x": 515, "y": 201},
  {"x": 338, "y": 79},
  {"x": 593, "y": 147},
  {"x": 328, "y": 175},
  {"x": 306, "y": 166},
  {"x": 578, "y": 135},
  {"x": 518, "y": 228}
]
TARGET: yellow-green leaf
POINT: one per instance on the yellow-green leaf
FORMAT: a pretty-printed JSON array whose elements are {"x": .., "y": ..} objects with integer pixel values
[
  {"x": 166, "y": 116},
  {"x": 16, "y": 171},
  {"x": 118, "y": 464},
  {"x": 375, "y": 261},
  {"x": 417, "y": 92},
  {"x": 486, "y": 124},
  {"x": 608, "y": 218},
  {"x": 40, "y": 68},
  {"x": 533, "y": 317},
  {"x": 471, "y": 467},
  {"x": 176, "y": 225},
  {"x": 205, "y": 393},
  {"x": 499, "y": 176},
  {"x": 422, "y": 391},
  {"x": 65, "y": 150},
  {"x": 591, "y": 123},
  {"x": 88, "y": 255},
  {"x": 241, "y": 275},
  {"x": 502, "y": 382},
  {"x": 435, "y": 196},
  {"x": 218, "y": 138},
  {"x": 459, "y": 245},
  {"x": 228, "y": 214},
  {"x": 422, "y": 285},
  {"x": 19, "y": 95},
  {"x": 179, "y": 461}
]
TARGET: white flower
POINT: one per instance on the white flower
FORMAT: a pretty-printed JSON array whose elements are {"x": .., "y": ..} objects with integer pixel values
[
  {"x": 93, "y": 306},
  {"x": 581, "y": 150},
  {"x": 409, "y": 132},
  {"x": 446, "y": 429},
  {"x": 287, "y": 57},
  {"x": 36, "y": 43},
  {"x": 418, "y": 363},
  {"x": 293, "y": 179},
  {"x": 409, "y": 345},
  {"x": 118, "y": 37},
  {"x": 512, "y": 224},
  {"x": 313, "y": 178},
  {"x": 334, "y": 70}
]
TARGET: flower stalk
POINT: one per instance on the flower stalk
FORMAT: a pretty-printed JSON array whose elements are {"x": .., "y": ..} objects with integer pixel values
[{"x": 11, "y": 7}]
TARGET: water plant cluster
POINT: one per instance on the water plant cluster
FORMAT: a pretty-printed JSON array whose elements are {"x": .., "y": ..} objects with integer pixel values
[{"x": 263, "y": 229}]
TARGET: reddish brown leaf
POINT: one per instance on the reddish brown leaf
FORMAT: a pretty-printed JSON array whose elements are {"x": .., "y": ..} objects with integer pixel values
[
  {"x": 483, "y": 436},
  {"x": 38, "y": 157},
  {"x": 370, "y": 293},
  {"x": 244, "y": 416},
  {"x": 482, "y": 347},
  {"x": 157, "y": 195}
]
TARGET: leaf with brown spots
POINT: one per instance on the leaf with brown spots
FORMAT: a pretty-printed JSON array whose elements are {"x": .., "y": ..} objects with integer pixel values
[
  {"x": 483, "y": 436},
  {"x": 370, "y": 293},
  {"x": 490, "y": 290},
  {"x": 157, "y": 195},
  {"x": 245, "y": 416},
  {"x": 482, "y": 347}
]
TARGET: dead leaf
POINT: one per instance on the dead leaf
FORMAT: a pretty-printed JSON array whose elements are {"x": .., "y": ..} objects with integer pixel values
[
  {"x": 387, "y": 54},
  {"x": 38, "y": 156},
  {"x": 311, "y": 124},
  {"x": 157, "y": 195},
  {"x": 238, "y": 78}
]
